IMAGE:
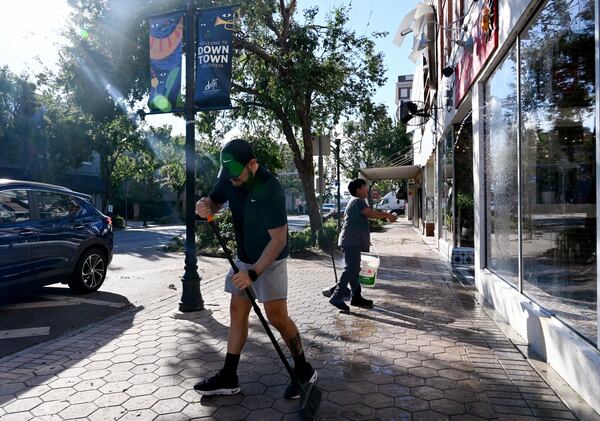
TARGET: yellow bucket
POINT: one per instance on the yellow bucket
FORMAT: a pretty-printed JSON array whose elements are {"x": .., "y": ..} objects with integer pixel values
[{"x": 369, "y": 263}]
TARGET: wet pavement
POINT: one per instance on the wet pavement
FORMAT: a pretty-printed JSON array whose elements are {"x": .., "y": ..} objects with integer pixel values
[{"x": 426, "y": 351}]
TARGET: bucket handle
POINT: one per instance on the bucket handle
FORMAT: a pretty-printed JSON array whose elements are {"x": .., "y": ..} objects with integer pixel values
[{"x": 374, "y": 250}]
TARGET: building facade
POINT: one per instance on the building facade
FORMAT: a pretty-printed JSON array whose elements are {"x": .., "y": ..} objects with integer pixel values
[
  {"x": 505, "y": 134},
  {"x": 403, "y": 89}
]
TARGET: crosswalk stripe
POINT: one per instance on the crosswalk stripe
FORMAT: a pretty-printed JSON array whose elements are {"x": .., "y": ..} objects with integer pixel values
[
  {"x": 84, "y": 300},
  {"x": 39, "y": 304},
  {"x": 24, "y": 333}
]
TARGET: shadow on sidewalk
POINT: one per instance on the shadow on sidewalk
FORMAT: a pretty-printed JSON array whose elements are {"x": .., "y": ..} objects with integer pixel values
[{"x": 63, "y": 359}]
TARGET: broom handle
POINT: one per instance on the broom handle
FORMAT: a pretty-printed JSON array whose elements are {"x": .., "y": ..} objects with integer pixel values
[
  {"x": 333, "y": 262},
  {"x": 255, "y": 306}
]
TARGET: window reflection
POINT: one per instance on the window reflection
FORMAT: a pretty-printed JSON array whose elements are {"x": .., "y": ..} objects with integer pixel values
[
  {"x": 501, "y": 170},
  {"x": 446, "y": 189},
  {"x": 558, "y": 160}
]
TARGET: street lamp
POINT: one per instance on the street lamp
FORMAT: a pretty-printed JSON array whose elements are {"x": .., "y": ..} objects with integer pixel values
[{"x": 191, "y": 298}]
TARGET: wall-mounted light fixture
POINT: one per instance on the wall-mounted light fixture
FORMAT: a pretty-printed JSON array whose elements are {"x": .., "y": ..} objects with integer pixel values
[
  {"x": 423, "y": 43},
  {"x": 467, "y": 44},
  {"x": 448, "y": 71}
]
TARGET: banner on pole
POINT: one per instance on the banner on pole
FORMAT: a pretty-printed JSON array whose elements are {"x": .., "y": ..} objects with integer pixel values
[
  {"x": 166, "y": 40},
  {"x": 214, "y": 43}
]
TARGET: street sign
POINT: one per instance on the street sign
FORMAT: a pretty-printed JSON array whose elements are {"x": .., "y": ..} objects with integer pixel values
[
  {"x": 320, "y": 184},
  {"x": 325, "y": 145}
]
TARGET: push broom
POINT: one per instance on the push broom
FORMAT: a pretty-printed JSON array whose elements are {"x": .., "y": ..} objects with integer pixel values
[{"x": 310, "y": 396}]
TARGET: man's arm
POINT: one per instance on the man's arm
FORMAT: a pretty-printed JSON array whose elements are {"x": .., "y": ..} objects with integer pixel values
[
  {"x": 375, "y": 214},
  {"x": 273, "y": 249}
]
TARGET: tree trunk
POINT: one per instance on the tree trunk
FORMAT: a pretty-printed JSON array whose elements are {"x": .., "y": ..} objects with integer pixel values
[{"x": 306, "y": 172}]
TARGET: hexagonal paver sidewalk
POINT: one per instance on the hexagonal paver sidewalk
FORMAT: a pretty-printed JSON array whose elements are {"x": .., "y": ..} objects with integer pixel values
[{"x": 426, "y": 351}]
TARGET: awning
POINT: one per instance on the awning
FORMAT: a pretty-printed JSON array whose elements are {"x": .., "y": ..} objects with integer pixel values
[{"x": 389, "y": 173}]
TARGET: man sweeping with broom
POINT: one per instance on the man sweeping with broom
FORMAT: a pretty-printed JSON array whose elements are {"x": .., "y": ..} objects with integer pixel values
[{"x": 257, "y": 204}]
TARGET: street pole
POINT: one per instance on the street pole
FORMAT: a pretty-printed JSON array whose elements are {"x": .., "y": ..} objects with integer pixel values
[
  {"x": 191, "y": 298},
  {"x": 337, "y": 156}
]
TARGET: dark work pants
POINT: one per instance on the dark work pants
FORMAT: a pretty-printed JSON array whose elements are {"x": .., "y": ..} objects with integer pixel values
[{"x": 351, "y": 271}]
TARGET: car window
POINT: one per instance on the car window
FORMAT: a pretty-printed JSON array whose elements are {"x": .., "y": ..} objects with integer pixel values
[
  {"x": 14, "y": 206},
  {"x": 56, "y": 205}
]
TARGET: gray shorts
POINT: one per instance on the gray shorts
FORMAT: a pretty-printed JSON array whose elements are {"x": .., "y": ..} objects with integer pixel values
[{"x": 269, "y": 286}]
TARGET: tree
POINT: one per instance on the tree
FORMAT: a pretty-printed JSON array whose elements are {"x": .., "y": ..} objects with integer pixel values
[
  {"x": 39, "y": 131},
  {"x": 288, "y": 175},
  {"x": 124, "y": 153},
  {"x": 170, "y": 153},
  {"x": 64, "y": 129},
  {"x": 301, "y": 75},
  {"x": 373, "y": 140},
  {"x": 19, "y": 119}
]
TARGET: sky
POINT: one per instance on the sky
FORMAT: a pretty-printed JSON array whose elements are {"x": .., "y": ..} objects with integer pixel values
[{"x": 30, "y": 46}]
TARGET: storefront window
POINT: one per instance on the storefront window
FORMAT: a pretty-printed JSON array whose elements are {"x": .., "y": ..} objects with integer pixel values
[
  {"x": 501, "y": 170},
  {"x": 463, "y": 184},
  {"x": 558, "y": 162},
  {"x": 446, "y": 181}
]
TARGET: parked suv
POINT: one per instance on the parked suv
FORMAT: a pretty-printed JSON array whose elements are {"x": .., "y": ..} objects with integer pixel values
[{"x": 51, "y": 234}]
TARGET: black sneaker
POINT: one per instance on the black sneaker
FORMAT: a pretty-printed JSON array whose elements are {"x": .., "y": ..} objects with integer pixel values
[
  {"x": 308, "y": 375},
  {"x": 328, "y": 292},
  {"x": 219, "y": 384},
  {"x": 338, "y": 302},
  {"x": 359, "y": 301}
]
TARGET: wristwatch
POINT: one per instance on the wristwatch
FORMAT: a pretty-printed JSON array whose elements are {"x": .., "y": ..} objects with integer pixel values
[{"x": 253, "y": 275}]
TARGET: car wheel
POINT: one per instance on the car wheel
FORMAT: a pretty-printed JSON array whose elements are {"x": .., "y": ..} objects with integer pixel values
[{"x": 90, "y": 272}]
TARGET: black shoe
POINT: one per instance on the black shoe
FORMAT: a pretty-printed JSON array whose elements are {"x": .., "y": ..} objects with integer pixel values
[
  {"x": 308, "y": 375},
  {"x": 328, "y": 292},
  {"x": 359, "y": 301},
  {"x": 219, "y": 384},
  {"x": 338, "y": 302}
]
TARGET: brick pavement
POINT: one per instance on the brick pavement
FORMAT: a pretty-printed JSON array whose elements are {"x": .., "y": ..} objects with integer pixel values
[{"x": 427, "y": 351}]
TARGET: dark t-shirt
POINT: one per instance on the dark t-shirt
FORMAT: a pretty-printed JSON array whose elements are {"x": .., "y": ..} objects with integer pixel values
[
  {"x": 355, "y": 230},
  {"x": 257, "y": 206}
]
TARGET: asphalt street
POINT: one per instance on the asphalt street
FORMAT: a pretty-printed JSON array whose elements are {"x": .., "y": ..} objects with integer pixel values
[{"x": 140, "y": 273}]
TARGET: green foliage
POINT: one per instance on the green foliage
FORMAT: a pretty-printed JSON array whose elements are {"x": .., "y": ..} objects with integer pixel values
[
  {"x": 206, "y": 241},
  {"x": 176, "y": 244},
  {"x": 299, "y": 241},
  {"x": 170, "y": 219},
  {"x": 288, "y": 176},
  {"x": 464, "y": 201},
  {"x": 372, "y": 139},
  {"x": 40, "y": 131},
  {"x": 207, "y": 165},
  {"x": 328, "y": 235},
  {"x": 118, "y": 221},
  {"x": 376, "y": 225}
]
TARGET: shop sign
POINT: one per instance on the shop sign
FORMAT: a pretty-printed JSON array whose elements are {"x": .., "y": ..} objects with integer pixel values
[{"x": 485, "y": 41}]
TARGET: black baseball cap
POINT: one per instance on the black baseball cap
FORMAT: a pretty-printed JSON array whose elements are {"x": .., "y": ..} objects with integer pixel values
[{"x": 235, "y": 155}]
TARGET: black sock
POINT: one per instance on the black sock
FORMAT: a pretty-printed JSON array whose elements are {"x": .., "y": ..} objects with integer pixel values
[
  {"x": 299, "y": 361},
  {"x": 231, "y": 363}
]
